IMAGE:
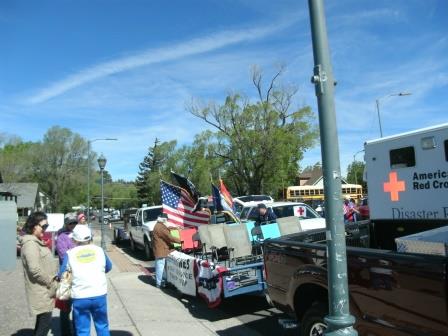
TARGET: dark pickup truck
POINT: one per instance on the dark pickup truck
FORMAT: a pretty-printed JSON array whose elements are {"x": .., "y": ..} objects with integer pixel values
[{"x": 391, "y": 293}]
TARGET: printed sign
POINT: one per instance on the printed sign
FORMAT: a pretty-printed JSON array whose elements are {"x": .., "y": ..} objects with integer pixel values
[
  {"x": 300, "y": 211},
  {"x": 55, "y": 222},
  {"x": 180, "y": 272}
]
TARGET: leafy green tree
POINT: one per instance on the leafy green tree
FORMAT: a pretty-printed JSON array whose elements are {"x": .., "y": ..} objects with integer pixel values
[
  {"x": 59, "y": 167},
  {"x": 355, "y": 172},
  {"x": 261, "y": 143},
  {"x": 16, "y": 161}
]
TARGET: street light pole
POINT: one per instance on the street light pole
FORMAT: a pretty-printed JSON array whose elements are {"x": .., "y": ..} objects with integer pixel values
[
  {"x": 102, "y": 163},
  {"x": 339, "y": 320},
  {"x": 378, "y": 106},
  {"x": 89, "y": 142}
]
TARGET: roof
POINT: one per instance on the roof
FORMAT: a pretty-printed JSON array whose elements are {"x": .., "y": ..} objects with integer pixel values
[
  {"x": 420, "y": 131},
  {"x": 311, "y": 177},
  {"x": 26, "y": 193}
]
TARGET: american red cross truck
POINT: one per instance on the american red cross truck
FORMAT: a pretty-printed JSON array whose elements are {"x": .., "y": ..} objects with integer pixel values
[
  {"x": 407, "y": 180},
  {"x": 391, "y": 292}
]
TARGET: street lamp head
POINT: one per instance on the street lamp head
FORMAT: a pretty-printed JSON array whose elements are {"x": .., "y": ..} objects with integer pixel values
[{"x": 102, "y": 162}]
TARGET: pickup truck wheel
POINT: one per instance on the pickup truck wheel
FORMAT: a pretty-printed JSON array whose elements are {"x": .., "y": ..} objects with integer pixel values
[
  {"x": 131, "y": 241},
  {"x": 313, "y": 323},
  {"x": 148, "y": 250}
]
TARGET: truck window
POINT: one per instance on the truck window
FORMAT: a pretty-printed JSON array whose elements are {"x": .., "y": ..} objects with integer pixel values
[
  {"x": 151, "y": 214},
  {"x": 402, "y": 157},
  {"x": 446, "y": 150}
]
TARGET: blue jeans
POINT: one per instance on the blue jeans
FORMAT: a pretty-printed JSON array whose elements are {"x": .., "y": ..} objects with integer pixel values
[
  {"x": 160, "y": 271},
  {"x": 95, "y": 307}
]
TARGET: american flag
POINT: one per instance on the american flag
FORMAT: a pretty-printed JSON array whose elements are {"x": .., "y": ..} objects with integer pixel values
[{"x": 179, "y": 205}]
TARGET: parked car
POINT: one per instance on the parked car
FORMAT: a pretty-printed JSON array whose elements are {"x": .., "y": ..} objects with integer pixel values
[
  {"x": 363, "y": 208},
  {"x": 243, "y": 201},
  {"x": 309, "y": 218}
]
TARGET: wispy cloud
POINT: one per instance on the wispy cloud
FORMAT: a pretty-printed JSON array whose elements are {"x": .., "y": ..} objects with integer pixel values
[{"x": 168, "y": 53}]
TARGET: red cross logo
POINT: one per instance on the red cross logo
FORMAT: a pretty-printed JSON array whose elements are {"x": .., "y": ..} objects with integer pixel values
[
  {"x": 300, "y": 210},
  {"x": 394, "y": 186}
]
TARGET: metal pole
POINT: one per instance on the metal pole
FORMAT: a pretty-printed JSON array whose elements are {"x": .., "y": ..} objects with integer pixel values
[
  {"x": 88, "y": 182},
  {"x": 103, "y": 242},
  {"x": 339, "y": 320},
  {"x": 379, "y": 116},
  {"x": 88, "y": 172}
]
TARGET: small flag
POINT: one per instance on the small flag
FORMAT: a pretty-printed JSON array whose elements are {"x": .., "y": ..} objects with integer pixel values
[
  {"x": 186, "y": 184},
  {"x": 218, "y": 200},
  {"x": 225, "y": 194},
  {"x": 179, "y": 205}
]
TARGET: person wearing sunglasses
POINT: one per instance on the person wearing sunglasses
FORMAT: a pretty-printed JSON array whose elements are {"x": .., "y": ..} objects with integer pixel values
[{"x": 39, "y": 269}]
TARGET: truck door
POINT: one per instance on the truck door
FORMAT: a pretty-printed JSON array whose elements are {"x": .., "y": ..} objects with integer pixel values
[{"x": 399, "y": 293}]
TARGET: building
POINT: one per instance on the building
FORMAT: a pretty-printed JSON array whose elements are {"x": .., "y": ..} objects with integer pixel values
[{"x": 27, "y": 196}]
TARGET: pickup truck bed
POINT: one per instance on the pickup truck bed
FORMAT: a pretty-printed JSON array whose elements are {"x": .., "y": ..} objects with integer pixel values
[{"x": 391, "y": 293}]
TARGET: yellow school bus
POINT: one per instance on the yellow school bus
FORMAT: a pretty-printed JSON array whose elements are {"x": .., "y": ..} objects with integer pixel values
[{"x": 316, "y": 193}]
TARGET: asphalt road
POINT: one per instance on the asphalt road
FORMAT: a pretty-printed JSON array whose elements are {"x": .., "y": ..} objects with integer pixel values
[{"x": 252, "y": 311}]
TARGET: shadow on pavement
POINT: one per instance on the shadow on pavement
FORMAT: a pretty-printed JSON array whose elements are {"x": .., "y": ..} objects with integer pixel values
[
  {"x": 24, "y": 332},
  {"x": 120, "y": 333},
  {"x": 260, "y": 327},
  {"x": 147, "y": 279},
  {"x": 253, "y": 311},
  {"x": 137, "y": 254}
]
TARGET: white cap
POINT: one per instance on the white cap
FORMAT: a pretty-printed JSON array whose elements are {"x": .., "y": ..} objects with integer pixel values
[
  {"x": 81, "y": 233},
  {"x": 162, "y": 220}
]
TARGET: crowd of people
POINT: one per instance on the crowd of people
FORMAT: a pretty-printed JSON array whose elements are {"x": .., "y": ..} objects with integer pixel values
[{"x": 88, "y": 265}]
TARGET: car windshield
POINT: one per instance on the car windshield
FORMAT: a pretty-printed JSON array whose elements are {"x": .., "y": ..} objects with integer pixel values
[{"x": 151, "y": 214}]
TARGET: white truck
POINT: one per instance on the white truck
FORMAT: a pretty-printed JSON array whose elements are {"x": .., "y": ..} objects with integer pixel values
[
  {"x": 407, "y": 180},
  {"x": 140, "y": 234}
]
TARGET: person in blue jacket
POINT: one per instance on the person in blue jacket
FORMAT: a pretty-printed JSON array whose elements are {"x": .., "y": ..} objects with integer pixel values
[
  {"x": 89, "y": 265},
  {"x": 261, "y": 214}
]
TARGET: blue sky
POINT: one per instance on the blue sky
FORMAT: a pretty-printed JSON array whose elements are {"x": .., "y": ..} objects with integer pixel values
[{"x": 127, "y": 69}]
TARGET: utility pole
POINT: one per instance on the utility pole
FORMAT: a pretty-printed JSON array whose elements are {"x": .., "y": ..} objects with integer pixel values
[{"x": 339, "y": 320}]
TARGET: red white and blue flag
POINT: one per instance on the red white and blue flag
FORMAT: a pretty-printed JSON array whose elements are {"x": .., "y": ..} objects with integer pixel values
[
  {"x": 225, "y": 195},
  {"x": 219, "y": 201},
  {"x": 179, "y": 206}
]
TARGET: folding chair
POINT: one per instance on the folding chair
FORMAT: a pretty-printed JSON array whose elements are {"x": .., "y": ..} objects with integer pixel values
[
  {"x": 238, "y": 243},
  {"x": 186, "y": 236},
  {"x": 217, "y": 239},
  {"x": 289, "y": 225},
  {"x": 270, "y": 231},
  {"x": 249, "y": 227}
]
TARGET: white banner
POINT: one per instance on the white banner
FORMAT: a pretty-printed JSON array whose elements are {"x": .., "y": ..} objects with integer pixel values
[
  {"x": 180, "y": 272},
  {"x": 55, "y": 222}
]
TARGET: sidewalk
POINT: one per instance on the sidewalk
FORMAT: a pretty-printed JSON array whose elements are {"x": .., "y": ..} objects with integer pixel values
[{"x": 136, "y": 306}]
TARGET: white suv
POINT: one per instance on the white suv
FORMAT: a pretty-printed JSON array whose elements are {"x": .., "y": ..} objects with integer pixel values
[
  {"x": 244, "y": 201},
  {"x": 142, "y": 225},
  {"x": 309, "y": 219}
]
